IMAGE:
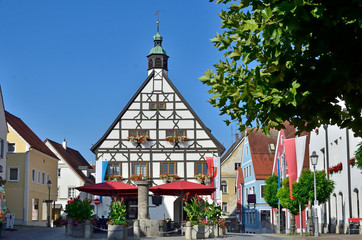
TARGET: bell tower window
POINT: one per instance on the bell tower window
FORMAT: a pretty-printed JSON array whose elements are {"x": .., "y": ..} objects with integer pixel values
[{"x": 158, "y": 62}]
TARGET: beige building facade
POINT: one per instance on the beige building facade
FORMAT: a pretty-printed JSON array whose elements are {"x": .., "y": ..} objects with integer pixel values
[
  {"x": 230, "y": 162},
  {"x": 30, "y": 166}
]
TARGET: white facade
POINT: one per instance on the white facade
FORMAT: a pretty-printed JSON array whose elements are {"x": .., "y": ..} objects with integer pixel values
[
  {"x": 335, "y": 145},
  {"x": 157, "y": 110},
  {"x": 3, "y": 137},
  {"x": 68, "y": 180}
]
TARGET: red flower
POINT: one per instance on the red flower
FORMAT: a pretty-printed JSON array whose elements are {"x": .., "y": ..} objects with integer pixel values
[
  {"x": 188, "y": 193},
  {"x": 184, "y": 199}
]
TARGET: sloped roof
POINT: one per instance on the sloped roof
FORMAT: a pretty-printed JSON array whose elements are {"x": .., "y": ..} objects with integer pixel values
[
  {"x": 27, "y": 134},
  {"x": 232, "y": 149},
  {"x": 220, "y": 147},
  {"x": 240, "y": 176},
  {"x": 74, "y": 159},
  {"x": 261, "y": 154}
]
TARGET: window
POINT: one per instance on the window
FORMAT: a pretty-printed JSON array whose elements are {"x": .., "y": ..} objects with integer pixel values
[
  {"x": 38, "y": 177},
  {"x": 224, "y": 207},
  {"x": 224, "y": 186},
  {"x": 239, "y": 194},
  {"x": 71, "y": 192},
  {"x": 272, "y": 146},
  {"x": 11, "y": 147},
  {"x": 237, "y": 165},
  {"x": 249, "y": 173},
  {"x": 114, "y": 168},
  {"x": 262, "y": 191},
  {"x": 245, "y": 173},
  {"x": 201, "y": 168},
  {"x": 140, "y": 168},
  {"x": 246, "y": 192},
  {"x": 138, "y": 132},
  {"x": 168, "y": 167},
  {"x": 1, "y": 148},
  {"x": 175, "y": 133},
  {"x": 33, "y": 175},
  {"x": 13, "y": 174},
  {"x": 253, "y": 190},
  {"x": 160, "y": 106},
  {"x": 59, "y": 171},
  {"x": 43, "y": 178},
  {"x": 48, "y": 178}
]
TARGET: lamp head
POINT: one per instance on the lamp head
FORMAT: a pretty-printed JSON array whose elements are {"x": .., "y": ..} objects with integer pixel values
[
  {"x": 314, "y": 158},
  {"x": 49, "y": 183}
]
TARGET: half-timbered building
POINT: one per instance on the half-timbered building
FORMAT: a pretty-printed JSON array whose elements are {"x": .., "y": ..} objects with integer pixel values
[{"x": 157, "y": 132}]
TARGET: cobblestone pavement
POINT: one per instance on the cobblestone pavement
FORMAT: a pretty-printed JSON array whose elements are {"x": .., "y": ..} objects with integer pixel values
[{"x": 43, "y": 233}]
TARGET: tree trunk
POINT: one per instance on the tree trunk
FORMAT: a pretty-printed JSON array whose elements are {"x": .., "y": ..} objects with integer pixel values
[
  {"x": 310, "y": 219},
  {"x": 292, "y": 224}
]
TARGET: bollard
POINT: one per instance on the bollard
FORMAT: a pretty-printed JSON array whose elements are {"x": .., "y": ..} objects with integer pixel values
[
  {"x": 136, "y": 229},
  {"x": 88, "y": 230},
  {"x": 188, "y": 230}
]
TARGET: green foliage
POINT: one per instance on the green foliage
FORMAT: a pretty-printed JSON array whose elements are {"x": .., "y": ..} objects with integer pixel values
[
  {"x": 284, "y": 195},
  {"x": 358, "y": 155},
  {"x": 117, "y": 214},
  {"x": 270, "y": 191},
  {"x": 78, "y": 210},
  {"x": 212, "y": 211},
  {"x": 304, "y": 188},
  {"x": 289, "y": 61},
  {"x": 195, "y": 209}
]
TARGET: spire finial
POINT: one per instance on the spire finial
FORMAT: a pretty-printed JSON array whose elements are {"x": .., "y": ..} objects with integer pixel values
[{"x": 158, "y": 22}]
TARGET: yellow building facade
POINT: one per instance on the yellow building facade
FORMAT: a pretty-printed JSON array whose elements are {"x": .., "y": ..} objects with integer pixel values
[
  {"x": 30, "y": 166},
  {"x": 230, "y": 162}
]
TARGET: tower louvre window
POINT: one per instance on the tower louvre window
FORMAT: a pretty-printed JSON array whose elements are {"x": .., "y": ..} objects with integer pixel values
[{"x": 158, "y": 62}]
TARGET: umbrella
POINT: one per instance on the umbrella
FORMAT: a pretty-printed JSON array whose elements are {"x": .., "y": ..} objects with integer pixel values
[
  {"x": 180, "y": 188},
  {"x": 111, "y": 188}
]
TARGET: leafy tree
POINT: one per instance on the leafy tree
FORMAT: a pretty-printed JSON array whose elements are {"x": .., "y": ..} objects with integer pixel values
[
  {"x": 303, "y": 190},
  {"x": 270, "y": 191},
  {"x": 358, "y": 155},
  {"x": 306, "y": 56},
  {"x": 291, "y": 204}
]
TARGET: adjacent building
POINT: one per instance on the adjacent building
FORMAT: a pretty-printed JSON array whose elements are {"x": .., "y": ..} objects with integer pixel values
[
  {"x": 3, "y": 143},
  {"x": 230, "y": 162},
  {"x": 157, "y": 132},
  {"x": 73, "y": 171},
  {"x": 336, "y": 147},
  {"x": 30, "y": 166},
  {"x": 257, "y": 165}
]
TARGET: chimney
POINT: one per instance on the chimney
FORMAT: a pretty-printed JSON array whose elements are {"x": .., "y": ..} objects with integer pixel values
[
  {"x": 236, "y": 137},
  {"x": 64, "y": 144}
]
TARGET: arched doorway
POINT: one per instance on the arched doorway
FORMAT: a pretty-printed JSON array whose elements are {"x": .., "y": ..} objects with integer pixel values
[{"x": 355, "y": 204}]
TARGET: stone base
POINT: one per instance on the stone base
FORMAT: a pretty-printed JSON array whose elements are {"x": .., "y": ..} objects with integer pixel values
[
  {"x": 151, "y": 228},
  {"x": 117, "y": 232}
]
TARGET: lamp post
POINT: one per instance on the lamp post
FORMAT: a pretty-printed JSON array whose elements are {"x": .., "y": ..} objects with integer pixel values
[
  {"x": 49, "y": 184},
  {"x": 314, "y": 160}
]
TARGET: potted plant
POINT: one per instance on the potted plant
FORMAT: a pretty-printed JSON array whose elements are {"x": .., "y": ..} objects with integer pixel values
[
  {"x": 114, "y": 178},
  {"x": 176, "y": 139},
  {"x": 138, "y": 139},
  {"x": 117, "y": 224},
  {"x": 169, "y": 177},
  {"x": 78, "y": 212},
  {"x": 139, "y": 177}
]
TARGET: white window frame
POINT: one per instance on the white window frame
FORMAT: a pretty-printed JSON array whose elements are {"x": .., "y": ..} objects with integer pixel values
[
  {"x": 261, "y": 193},
  {"x": 33, "y": 175},
  {"x": 18, "y": 174},
  {"x": 14, "y": 147},
  {"x": 69, "y": 196}
]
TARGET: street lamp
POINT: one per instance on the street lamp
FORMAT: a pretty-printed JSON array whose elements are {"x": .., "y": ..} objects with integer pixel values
[
  {"x": 49, "y": 184},
  {"x": 314, "y": 160}
]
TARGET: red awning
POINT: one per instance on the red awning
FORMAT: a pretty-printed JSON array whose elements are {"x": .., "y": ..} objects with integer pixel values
[
  {"x": 111, "y": 188},
  {"x": 180, "y": 188}
]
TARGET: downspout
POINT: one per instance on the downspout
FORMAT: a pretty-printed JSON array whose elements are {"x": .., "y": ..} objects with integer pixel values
[
  {"x": 349, "y": 176},
  {"x": 327, "y": 162}
]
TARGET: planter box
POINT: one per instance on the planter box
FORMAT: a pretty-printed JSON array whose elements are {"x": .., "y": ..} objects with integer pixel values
[
  {"x": 117, "y": 232},
  {"x": 77, "y": 230},
  {"x": 201, "y": 231}
]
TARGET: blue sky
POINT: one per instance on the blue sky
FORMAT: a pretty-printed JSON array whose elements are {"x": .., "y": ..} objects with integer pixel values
[{"x": 69, "y": 67}]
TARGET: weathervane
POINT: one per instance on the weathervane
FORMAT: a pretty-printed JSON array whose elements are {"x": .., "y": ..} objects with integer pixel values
[{"x": 157, "y": 20}]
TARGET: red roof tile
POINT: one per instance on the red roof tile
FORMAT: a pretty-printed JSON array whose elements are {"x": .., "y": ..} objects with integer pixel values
[
  {"x": 261, "y": 154},
  {"x": 27, "y": 134},
  {"x": 74, "y": 159}
]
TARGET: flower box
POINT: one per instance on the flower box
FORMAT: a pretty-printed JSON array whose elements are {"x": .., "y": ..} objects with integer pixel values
[
  {"x": 117, "y": 232},
  {"x": 139, "y": 177},
  {"x": 169, "y": 177},
  {"x": 138, "y": 139},
  {"x": 177, "y": 139}
]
